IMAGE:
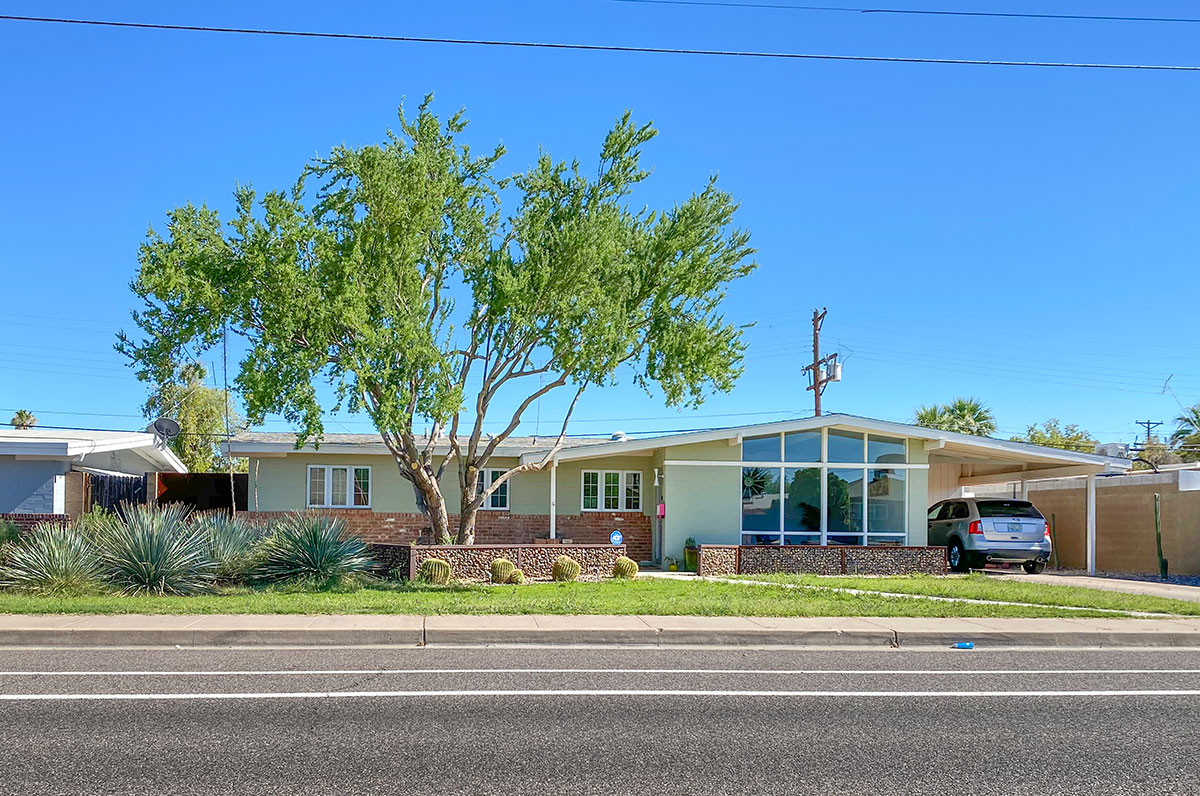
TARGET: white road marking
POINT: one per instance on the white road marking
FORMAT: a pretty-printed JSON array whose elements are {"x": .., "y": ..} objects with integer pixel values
[
  {"x": 588, "y": 693},
  {"x": 320, "y": 672}
]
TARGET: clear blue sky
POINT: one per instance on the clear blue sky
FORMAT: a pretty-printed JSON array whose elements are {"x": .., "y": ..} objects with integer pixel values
[{"x": 1027, "y": 236}]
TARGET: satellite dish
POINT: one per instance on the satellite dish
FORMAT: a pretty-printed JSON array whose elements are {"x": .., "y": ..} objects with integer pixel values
[{"x": 166, "y": 428}]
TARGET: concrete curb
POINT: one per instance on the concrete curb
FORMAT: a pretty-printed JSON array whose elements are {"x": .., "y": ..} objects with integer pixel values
[{"x": 647, "y": 631}]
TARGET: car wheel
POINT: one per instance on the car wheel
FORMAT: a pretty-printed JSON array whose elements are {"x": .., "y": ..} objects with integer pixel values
[
  {"x": 1034, "y": 567},
  {"x": 957, "y": 556}
]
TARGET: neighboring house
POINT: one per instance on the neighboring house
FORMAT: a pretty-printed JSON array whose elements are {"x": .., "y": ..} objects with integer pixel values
[
  {"x": 44, "y": 471},
  {"x": 829, "y": 480}
]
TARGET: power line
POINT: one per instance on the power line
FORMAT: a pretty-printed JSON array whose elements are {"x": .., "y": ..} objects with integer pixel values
[
  {"x": 908, "y": 11},
  {"x": 596, "y": 47}
]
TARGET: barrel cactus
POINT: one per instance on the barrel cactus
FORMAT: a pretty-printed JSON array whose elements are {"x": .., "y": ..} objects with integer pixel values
[
  {"x": 502, "y": 568},
  {"x": 516, "y": 577},
  {"x": 625, "y": 567},
  {"x": 435, "y": 571},
  {"x": 565, "y": 568}
]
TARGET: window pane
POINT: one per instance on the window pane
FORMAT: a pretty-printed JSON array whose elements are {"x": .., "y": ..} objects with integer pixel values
[
  {"x": 633, "y": 491},
  {"x": 844, "y": 539},
  {"x": 845, "y": 446},
  {"x": 760, "y": 499},
  {"x": 316, "y": 486},
  {"x": 802, "y": 538},
  {"x": 499, "y": 499},
  {"x": 1007, "y": 508},
  {"x": 886, "y": 539},
  {"x": 338, "y": 490},
  {"x": 845, "y": 502},
  {"x": 760, "y": 538},
  {"x": 362, "y": 486},
  {"x": 885, "y": 450},
  {"x": 612, "y": 491},
  {"x": 802, "y": 446},
  {"x": 885, "y": 501},
  {"x": 591, "y": 490},
  {"x": 761, "y": 449},
  {"x": 802, "y": 499}
]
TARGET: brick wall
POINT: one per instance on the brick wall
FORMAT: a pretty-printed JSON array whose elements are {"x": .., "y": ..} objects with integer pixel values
[
  {"x": 26, "y": 521},
  {"x": 495, "y": 527}
]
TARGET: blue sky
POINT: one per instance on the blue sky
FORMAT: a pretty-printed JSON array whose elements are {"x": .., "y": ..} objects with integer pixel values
[{"x": 1022, "y": 235}]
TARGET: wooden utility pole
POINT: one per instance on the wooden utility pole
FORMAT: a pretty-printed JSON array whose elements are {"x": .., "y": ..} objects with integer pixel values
[{"x": 822, "y": 369}]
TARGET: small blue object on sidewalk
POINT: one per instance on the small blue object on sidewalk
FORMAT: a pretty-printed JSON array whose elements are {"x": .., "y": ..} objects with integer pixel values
[{"x": 964, "y": 645}]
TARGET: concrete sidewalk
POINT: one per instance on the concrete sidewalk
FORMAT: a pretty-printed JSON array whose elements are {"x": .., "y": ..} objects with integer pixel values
[{"x": 233, "y": 630}]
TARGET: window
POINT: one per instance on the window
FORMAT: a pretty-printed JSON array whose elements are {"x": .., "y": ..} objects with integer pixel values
[
  {"x": 802, "y": 446},
  {"x": 885, "y": 450},
  {"x": 612, "y": 490},
  {"x": 845, "y": 446},
  {"x": 497, "y": 500},
  {"x": 760, "y": 505},
  {"x": 339, "y": 487},
  {"x": 844, "y": 511},
  {"x": 1007, "y": 508},
  {"x": 761, "y": 449}
]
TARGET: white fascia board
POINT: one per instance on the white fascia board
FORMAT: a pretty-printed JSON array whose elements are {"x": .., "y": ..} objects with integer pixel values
[
  {"x": 274, "y": 449},
  {"x": 58, "y": 449}
]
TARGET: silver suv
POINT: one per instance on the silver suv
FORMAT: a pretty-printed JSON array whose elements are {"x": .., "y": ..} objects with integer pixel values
[{"x": 977, "y": 531}]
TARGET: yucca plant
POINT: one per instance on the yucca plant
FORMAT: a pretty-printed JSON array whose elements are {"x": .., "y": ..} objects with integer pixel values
[
  {"x": 154, "y": 550},
  {"x": 314, "y": 548},
  {"x": 52, "y": 559},
  {"x": 230, "y": 542}
]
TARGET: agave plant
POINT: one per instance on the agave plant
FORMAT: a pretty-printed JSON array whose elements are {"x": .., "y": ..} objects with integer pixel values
[
  {"x": 53, "y": 559},
  {"x": 230, "y": 541},
  {"x": 312, "y": 547},
  {"x": 154, "y": 550}
]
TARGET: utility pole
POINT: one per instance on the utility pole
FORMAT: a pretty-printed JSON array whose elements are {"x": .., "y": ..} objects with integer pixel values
[
  {"x": 823, "y": 369},
  {"x": 1149, "y": 425}
]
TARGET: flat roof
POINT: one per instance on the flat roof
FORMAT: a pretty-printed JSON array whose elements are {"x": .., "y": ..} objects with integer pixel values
[{"x": 77, "y": 444}]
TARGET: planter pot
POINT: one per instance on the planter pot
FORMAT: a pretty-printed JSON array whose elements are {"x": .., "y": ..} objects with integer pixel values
[{"x": 691, "y": 558}]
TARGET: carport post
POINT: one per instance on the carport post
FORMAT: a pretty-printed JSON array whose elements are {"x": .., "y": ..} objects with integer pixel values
[
  {"x": 1091, "y": 523},
  {"x": 553, "y": 495}
]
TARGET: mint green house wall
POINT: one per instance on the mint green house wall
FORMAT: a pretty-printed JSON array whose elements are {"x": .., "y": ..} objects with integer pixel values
[{"x": 918, "y": 494}]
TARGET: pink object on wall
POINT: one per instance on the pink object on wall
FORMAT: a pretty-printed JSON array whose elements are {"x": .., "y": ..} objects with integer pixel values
[{"x": 662, "y": 510}]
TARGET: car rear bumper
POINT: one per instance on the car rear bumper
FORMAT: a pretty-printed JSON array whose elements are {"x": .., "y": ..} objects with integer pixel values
[{"x": 1011, "y": 551}]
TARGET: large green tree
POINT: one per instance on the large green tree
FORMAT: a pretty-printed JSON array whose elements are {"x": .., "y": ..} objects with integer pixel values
[
  {"x": 1052, "y": 434},
  {"x": 425, "y": 289},
  {"x": 962, "y": 415},
  {"x": 200, "y": 411}
]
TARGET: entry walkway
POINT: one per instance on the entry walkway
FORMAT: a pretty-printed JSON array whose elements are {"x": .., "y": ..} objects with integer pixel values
[{"x": 1171, "y": 591}]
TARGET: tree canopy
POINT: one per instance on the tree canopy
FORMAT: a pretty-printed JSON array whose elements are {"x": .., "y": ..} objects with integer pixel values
[
  {"x": 962, "y": 415},
  {"x": 23, "y": 419},
  {"x": 424, "y": 288},
  {"x": 1052, "y": 434},
  {"x": 200, "y": 411},
  {"x": 1185, "y": 439}
]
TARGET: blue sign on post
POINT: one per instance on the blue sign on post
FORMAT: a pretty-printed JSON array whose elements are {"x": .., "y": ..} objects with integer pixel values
[{"x": 615, "y": 537}]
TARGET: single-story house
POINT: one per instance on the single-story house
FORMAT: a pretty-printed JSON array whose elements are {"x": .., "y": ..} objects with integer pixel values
[
  {"x": 43, "y": 472},
  {"x": 831, "y": 480}
]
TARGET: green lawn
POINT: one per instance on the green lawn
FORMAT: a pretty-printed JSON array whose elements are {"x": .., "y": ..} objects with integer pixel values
[
  {"x": 642, "y": 596},
  {"x": 982, "y": 587}
]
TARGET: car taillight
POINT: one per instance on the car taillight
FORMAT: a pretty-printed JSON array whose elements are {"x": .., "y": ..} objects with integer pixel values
[
  {"x": 975, "y": 527},
  {"x": 1046, "y": 534}
]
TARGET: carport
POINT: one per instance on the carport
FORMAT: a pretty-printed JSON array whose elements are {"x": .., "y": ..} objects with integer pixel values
[{"x": 959, "y": 462}]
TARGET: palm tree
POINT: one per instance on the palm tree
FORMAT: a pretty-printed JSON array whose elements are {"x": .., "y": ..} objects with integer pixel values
[
  {"x": 23, "y": 419},
  {"x": 1187, "y": 433},
  {"x": 962, "y": 415}
]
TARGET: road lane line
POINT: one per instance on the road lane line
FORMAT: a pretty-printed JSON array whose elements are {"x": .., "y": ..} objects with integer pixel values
[
  {"x": 323, "y": 672},
  {"x": 589, "y": 692}
]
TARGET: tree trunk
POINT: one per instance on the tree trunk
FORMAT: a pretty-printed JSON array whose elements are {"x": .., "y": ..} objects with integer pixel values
[
  {"x": 467, "y": 508},
  {"x": 429, "y": 493}
]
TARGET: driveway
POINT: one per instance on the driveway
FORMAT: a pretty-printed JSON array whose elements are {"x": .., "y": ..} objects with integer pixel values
[{"x": 1172, "y": 591}]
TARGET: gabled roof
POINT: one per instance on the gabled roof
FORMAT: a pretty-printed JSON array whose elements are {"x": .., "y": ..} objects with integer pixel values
[{"x": 77, "y": 444}]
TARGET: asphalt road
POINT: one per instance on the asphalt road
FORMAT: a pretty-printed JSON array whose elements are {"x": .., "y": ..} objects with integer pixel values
[{"x": 358, "y": 721}]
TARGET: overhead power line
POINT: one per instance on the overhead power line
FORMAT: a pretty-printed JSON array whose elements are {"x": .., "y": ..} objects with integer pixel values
[
  {"x": 598, "y": 47},
  {"x": 908, "y": 11}
]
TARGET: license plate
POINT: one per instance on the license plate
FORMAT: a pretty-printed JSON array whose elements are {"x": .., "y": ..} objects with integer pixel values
[{"x": 1014, "y": 527}]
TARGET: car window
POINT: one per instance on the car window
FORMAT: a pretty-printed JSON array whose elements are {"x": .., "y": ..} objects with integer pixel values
[
  {"x": 1007, "y": 508},
  {"x": 935, "y": 511},
  {"x": 958, "y": 511}
]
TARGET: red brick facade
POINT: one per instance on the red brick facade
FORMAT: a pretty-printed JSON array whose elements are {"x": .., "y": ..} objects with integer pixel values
[
  {"x": 26, "y": 521},
  {"x": 498, "y": 527}
]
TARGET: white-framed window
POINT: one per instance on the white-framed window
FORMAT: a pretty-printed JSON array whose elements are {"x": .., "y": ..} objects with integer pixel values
[
  {"x": 339, "y": 486},
  {"x": 498, "y": 500},
  {"x": 611, "y": 490}
]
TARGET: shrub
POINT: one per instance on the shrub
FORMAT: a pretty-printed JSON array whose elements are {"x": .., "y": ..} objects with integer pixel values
[
  {"x": 312, "y": 547},
  {"x": 53, "y": 559},
  {"x": 502, "y": 568},
  {"x": 516, "y": 577},
  {"x": 435, "y": 571},
  {"x": 9, "y": 531},
  {"x": 89, "y": 523},
  {"x": 625, "y": 567},
  {"x": 230, "y": 542},
  {"x": 153, "y": 550},
  {"x": 565, "y": 568}
]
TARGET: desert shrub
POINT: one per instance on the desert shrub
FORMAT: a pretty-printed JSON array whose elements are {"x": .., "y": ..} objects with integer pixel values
[
  {"x": 516, "y": 577},
  {"x": 625, "y": 567},
  {"x": 53, "y": 559},
  {"x": 89, "y": 523},
  {"x": 312, "y": 547},
  {"x": 435, "y": 571},
  {"x": 150, "y": 549},
  {"x": 9, "y": 531},
  {"x": 230, "y": 542},
  {"x": 565, "y": 568},
  {"x": 501, "y": 569}
]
